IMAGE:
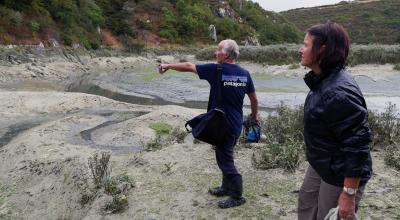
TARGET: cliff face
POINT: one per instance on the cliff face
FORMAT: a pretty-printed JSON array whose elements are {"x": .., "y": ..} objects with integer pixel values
[{"x": 92, "y": 23}]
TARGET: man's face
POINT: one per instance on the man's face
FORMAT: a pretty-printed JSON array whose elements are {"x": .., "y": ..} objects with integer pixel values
[
  {"x": 306, "y": 51},
  {"x": 219, "y": 54}
]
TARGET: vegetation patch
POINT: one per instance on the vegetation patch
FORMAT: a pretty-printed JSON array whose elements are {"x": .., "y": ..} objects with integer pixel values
[
  {"x": 115, "y": 186},
  {"x": 288, "y": 54},
  {"x": 284, "y": 145},
  {"x": 161, "y": 128},
  {"x": 385, "y": 127},
  {"x": 262, "y": 76},
  {"x": 165, "y": 135},
  {"x": 397, "y": 67}
]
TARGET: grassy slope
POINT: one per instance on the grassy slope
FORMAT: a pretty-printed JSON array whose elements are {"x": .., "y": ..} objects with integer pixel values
[{"x": 370, "y": 22}]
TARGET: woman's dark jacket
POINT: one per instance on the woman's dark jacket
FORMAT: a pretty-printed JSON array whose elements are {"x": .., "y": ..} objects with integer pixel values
[{"x": 336, "y": 129}]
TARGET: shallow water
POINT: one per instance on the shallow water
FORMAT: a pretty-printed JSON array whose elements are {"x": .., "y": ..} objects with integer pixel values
[{"x": 185, "y": 89}]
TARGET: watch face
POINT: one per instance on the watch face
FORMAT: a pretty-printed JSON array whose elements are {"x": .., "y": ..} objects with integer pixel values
[{"x": 350, "y": 191}]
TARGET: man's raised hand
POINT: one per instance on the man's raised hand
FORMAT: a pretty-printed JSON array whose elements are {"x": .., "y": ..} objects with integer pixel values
[{"x": 162, "y": 68}]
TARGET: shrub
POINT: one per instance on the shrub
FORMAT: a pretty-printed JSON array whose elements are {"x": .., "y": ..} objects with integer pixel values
[
  {"x": 288, "y": 54},
  {"x": 276, "y": 155},
  {"x": 294, "y": 66},
  {"x": 379, "y": 54},
  {"x": 397, "y": 67},
  {"x": 392, "y": 156},
  {"x": 34, "y": 26},
  {"x": 118, "y": 204},
  {"x": 178, "y": 135},
  {"x": 161, "y": 128},
  {"x": 284, "y": 145},
  {"x": 385, "y": 126},
  {"x": 99, "y": 167},
  {"x": 273, "y": 54},
  {"x": 155, "y": 144}
]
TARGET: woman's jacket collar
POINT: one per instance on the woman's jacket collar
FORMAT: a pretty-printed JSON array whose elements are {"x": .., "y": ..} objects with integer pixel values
[{"x": 312, "y": 80}]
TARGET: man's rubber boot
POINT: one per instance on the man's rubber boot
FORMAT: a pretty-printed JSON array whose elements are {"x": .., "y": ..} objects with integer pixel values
[
  {"x": 235, "y": 185},
  {"x": 231, "y": 202},
  {"x": 236, "y": 190},
  {"x": 222, "y": 190}
]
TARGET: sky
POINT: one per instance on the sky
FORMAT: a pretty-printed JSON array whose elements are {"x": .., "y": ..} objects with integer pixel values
[{"x": 283, "y": 5}]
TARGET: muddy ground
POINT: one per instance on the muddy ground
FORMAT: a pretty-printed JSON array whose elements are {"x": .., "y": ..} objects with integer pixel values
[{"x": 48, "y": 131}]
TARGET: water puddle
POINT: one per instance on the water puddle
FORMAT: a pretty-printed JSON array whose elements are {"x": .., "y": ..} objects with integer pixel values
[
  {"x": 97, "y": 90},
  {"x": 134, "y": 144},
  {"x": 14, "y": 130}
]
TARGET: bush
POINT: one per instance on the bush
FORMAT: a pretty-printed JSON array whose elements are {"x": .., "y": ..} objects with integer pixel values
[
  {"x": 273, "y": 54},
  {"x": 288, "y": 54},
  {"x": 178, "y": 135},
  {"x": 99, "y": 167},
  {"x": 385, "y": 126},
  {"x": 155, "y": 144},
  {"x": 161, "y": 128},
  {"x": 392, "y": 156},
  {"x": 379, "y": 54},
  {"x": 284, "y": 146},
  {"x": 397, "y": 67},
  {"x": 276, "y": 155}
]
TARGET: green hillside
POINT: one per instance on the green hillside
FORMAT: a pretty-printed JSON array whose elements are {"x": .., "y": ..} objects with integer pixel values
[
  {"x": 366, "y": 21},
  {"x": 92, "y": 23}
]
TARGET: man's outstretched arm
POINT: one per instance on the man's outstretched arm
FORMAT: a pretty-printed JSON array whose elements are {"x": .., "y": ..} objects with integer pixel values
[{"x": 181, "y": 67}]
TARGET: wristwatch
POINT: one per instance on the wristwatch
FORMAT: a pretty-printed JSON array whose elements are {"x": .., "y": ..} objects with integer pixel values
[{"x": 349, "y": 191}]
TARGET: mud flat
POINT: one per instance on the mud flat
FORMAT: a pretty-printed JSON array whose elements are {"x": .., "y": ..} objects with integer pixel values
[{"x": 47, "y": 136}]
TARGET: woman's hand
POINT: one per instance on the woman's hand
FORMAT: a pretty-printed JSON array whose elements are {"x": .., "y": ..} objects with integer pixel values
[
  {"x": 347, "y": 205},
  {"x": 162, "y": 68}
]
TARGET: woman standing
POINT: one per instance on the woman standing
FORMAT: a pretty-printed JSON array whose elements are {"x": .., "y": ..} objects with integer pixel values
[{"x": 336, "y": 129}]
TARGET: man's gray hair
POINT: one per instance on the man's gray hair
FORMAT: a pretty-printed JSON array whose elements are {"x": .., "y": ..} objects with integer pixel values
[{"x": 231, "y": 49}]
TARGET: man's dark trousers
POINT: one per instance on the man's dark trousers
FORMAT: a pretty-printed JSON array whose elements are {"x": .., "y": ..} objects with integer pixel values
[{"x": 232, "y": 180}]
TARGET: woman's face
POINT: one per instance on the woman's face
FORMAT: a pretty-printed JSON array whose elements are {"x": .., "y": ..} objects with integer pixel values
[{"x": 306, "y": 51}]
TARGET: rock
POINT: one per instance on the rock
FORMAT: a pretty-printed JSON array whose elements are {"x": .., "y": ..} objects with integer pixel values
[
  {"x": 33, "y": 75},
  {"x": 166, "y": 59},
  {"x": 54, "y": 42},
  {"x": 251, "y": 41},
  {"x": 213, "y": 32}
]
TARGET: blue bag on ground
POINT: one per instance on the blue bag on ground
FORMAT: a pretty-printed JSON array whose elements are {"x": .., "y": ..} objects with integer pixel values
[
  {"x": 251, "y": 130},
  {"x": 212, "y": 127}
]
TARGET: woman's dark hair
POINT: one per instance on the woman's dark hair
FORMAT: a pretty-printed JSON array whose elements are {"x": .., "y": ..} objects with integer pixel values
[{"x": 330, "y": 45}]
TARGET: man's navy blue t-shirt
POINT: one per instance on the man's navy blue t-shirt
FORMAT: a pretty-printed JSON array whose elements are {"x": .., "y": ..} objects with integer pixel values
[{"x": 235, "y": 83}]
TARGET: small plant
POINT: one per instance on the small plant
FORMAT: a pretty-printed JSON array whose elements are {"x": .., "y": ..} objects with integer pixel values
[
  {"x": 294, "y": 66},
  {"x": 284, "y": 146},
  {"x": 385, "y": 126},
  {"x": 196, "y": 141},
  {"x": 155, "y": 144},
  {"x": 99, "y": 167},
  {"x": 118, "y": 204},
  {"x": 34, "y": 26},
  {"x": 287, "y": 155},
  {"x": 120, "y": 184},
  {"x": 168, "y": 167},
  {"x": 392, "y": 156},
  {"x": 397, "y": 67},
  {"x": 178, "y": 135},
  {"x": 161, "y": 128}
]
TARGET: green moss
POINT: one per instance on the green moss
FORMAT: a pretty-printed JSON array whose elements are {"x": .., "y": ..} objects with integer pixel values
[
  {"x": 262, "y": 76},
  {"x": 161, "y": 128}
]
